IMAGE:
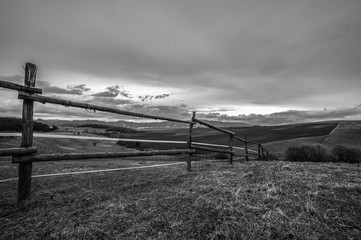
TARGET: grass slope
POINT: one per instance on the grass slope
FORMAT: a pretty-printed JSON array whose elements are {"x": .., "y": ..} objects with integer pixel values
[
  {"x": 262, "y": 134},
  {"x": 253, "y": 200},
  {"x": 345, "y": 133}
]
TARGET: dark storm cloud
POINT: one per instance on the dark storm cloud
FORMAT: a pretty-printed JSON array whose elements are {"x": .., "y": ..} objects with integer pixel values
[
  {"x": 305, "y": 54},
  {"x": 190, "y": 38}
]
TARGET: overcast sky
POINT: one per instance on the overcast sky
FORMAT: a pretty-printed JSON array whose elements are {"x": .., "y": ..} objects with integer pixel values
[{"x": 264, "y": 62}]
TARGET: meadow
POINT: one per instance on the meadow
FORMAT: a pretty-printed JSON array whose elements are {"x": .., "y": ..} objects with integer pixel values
[
  {"x": 250, "y": 200},
  {"x": 246, "y": 200}
]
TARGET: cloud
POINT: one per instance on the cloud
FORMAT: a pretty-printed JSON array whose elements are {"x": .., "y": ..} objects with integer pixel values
[
  {"x": 178, "y": 112},
  {"x": 291, "y": 116},
  {"x": 77, "y": 89},
  {"x": 111, "y": 101},
  {"x": 70, "y": 89},
  {"x": 113, "y": 91},
  {"x": 299, "y": 54},
  {"x": 151, "y": 97},
  {"x": 80, "y": 88}
]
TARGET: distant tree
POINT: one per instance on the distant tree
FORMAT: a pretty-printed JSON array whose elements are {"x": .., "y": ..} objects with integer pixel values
[
  {"x": 344, "y": 154},
  {"x": 306, "y": 154},
  {"x": 15, "y": 124}
]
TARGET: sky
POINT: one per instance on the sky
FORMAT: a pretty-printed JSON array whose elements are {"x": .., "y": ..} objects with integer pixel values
[{"x": 252, "y": 61}]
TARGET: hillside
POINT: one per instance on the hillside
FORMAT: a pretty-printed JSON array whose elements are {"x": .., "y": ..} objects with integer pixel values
[
  {"x": 14, "y": 125},
  {"x": 346, "y": 133},
  {"x": 263, "y": 134},
  {"x": 109, "y": 128},
  {"x": 137, "y": 125}
]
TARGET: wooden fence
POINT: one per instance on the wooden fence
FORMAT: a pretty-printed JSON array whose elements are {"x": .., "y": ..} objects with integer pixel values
[{"x": 26, "y": 154}]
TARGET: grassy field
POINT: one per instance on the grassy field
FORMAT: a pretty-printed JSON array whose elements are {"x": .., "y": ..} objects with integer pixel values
[
  {"x": 249, "y": 200},
  {"x": 262, "y": 134},
  {"x": 252, "y": 200}
]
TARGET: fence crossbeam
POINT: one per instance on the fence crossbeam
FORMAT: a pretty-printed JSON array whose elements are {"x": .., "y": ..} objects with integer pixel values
[
  {"x": 67, "y": 103},
  {"x": 213, "y": 127},
  {"x": 212, "y": 149},
  {"x": 17, "y": 151},
  {"x": 14, "y": 86},
  {"x": 78, "y": 156}
]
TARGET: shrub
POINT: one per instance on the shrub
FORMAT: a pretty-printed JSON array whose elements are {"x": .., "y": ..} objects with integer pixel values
[
  {"x": 306, "y": 154},
  {"x": 135, "y": 145},
  {"x": 221, "y": 156},
  {"x": 344, "y": 154},
  {"x": 318, "y": 154}
]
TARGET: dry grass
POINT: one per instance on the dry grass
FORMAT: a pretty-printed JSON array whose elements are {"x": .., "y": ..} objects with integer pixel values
[{"x": 253, "y": 200}]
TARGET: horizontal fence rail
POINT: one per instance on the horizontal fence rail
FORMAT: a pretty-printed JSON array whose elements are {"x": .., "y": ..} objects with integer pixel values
[
  {"x": 213, "y": 127},
  {"x": 14, "y": 86},
  {"x": 77, "y": 156},
  {"x": 17, "y": 151},
  {"x": 26, "y": 154},
  {"x": 211, "y": 149},
  {"x": 67, "y": 103},
  {"x": 44, "y": 135}
]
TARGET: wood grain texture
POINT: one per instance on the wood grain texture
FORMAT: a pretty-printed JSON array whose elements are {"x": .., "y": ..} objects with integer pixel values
[
  {"x": 17, "y": 151},
  {"x": 67, "y": 103},
  {"x": 213, "y": 127},
  {"x": 79, "y": 156},
  {"x": 14, "y": 86},
  {"x": 25, "y": 169}
]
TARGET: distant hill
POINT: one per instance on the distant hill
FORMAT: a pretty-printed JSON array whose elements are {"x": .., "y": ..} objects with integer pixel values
[
  {"x": 110, "y": 128},
  {"x": 345, "y": 134},
  {"x": 14, "y": 124},
  {"x": 138, "y": 125}
]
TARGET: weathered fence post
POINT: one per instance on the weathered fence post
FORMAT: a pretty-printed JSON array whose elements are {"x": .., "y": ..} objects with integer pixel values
[
  {"x": 231, "y": 147},
  {"x": 246, "y": 147},
  {"x": 259, "y": 151},
  {"x": 24, "y": 185},
  {"x": 189, "y": 161}
]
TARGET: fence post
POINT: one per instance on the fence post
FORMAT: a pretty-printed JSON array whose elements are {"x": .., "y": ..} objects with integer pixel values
[
  {"x": 25, "y": 169},
  {"x": 246, "y": 147},
  {"x": 262, "y": 150},
  {"x": 189, "y": 161},
  {"x": 231, "y": 147},
  {"x": 259, "y": 151}
]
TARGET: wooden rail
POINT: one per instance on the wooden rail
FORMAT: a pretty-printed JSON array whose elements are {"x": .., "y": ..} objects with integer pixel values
[
  {"x": 17, "y": 151},
  {"x": 77, "y": 156},
  {"x": 212, "y": 149},
  {"x": 67, "y": 103},
  {"x": 261, "y": 152},
  {"x": 14, "y": 86},
  {"x": 213, "y": 127},
  {"x": 240, "y": 139},
  {"x": 25, "y": 169}
]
